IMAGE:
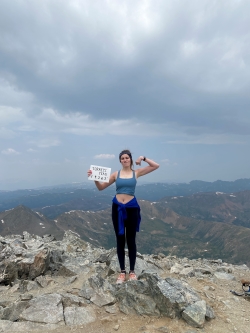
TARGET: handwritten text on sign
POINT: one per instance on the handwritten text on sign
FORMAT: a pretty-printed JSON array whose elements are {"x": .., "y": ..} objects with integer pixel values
[{"x": 100, "y": 173}]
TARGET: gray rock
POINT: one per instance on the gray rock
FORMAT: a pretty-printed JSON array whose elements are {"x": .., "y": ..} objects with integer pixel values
[
  {"x": 96, "y": 282},
  {"x": 176, "y": 289},
  {"x": 26, "y": 236},
  {"x": 224, "y": 276},
  {"x": 217, "y": 261},
  {"x": 33, "y": 257},
  {"x": 5, "y": 325},
  {"x": 79, "y": 316},
  {"x": 140, "y": 304},
  {"x": 48, "y": 238},
  {"x": 167, "y": 264},
  {"x": 97, "y": 290},
  {"x": 72, "y": 300},
  {"x": 111, "y": 309},
  {"x": 87, "y": 292},
  {"x": 209, "y": 313},
  {"x": 26, "y": 286},
  {"x": 5, "y": 302},
  {"x": 222, "y": 269},
  {"x": 205, "y": 269},
  {"x": 17, "y": 247},
  {"x": 106, "y": 257},
  {"x": 36, "y": 263},
  {"x": 40, "y": 265},
  {"x": 46, "y": 309},
  {"x": 8, "y": 271},
  {"x": 187, "y": 272},
  {"x": 134, "y": 297},
  {"x": 195, "y": 313},
  {"x": 13, "y": 311},
  {"x": 151, "y": 295},
  {"x": 74, "y": 266},
  {"x": 101, "y": 299},
  {"x": 70, "y": 280},
  {"x": 41, "y": 281},
  {"x": 26, "y": 297},
  {"x": 72, "y": 241},
  {"x": 163, "y": 329},
  {"x": 176, "y": 269}
]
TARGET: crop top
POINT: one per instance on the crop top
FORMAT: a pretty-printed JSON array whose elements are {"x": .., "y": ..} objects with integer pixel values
[{"x": 125, "y": 185}]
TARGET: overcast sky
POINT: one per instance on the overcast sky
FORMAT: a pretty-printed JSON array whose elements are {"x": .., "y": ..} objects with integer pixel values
[{"x": 81, "y": 80}]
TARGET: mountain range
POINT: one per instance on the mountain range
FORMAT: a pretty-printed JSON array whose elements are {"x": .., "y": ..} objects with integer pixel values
[
  {"x": 53, "y": 201},
  {"x": 199, "y": 219},
  {"x": 20, "y": 219},
  {"x": 162, "y": 230},
  {"x": 233, "y": 208}
]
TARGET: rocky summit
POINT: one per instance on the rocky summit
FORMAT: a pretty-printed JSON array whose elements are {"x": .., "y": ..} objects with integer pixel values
[{"x": 68, "y": 285}]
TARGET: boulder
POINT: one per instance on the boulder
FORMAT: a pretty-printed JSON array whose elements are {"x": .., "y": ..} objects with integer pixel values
[
  {"x": 133, "y": 298},
  {"x": 78, "y": 316},
  {"x": 13, "y": 311},
  {"x": 40, "y": 265},
  {"x": 8, "y": 271},
  {"x": 194, "y": 314},
  {"x": 72, "y": 266},
  {"x": 101, "y": 299},
  {"x": 151, "y": 295},
  {"x": 45, "y": 309}
]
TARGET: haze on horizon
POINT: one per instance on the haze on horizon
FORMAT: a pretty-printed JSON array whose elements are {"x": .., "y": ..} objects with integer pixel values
[{"x": 82, "y": 80}]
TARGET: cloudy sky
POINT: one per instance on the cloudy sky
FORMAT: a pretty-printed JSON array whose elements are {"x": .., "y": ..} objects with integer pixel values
[{"x": 81, "y": 80}]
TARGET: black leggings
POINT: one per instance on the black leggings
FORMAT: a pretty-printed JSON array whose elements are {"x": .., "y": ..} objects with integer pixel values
[{"x": 129, "y": 236}]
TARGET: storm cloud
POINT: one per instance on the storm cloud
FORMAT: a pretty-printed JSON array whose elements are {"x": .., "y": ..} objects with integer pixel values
[{"x": 171, "y": 72}]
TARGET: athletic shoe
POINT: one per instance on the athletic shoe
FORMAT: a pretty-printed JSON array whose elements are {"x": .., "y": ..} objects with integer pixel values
[
  {"x": 121, "y": 278},
  {"x": 132, "y": 276}
]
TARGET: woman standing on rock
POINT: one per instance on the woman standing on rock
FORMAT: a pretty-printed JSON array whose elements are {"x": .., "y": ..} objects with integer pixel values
[{"x": 125, "y": 209}]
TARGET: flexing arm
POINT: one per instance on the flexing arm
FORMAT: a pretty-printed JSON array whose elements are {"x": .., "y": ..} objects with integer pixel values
[
  {"x": 102, "y": 186},
  {"x": 152, "y": 165}
]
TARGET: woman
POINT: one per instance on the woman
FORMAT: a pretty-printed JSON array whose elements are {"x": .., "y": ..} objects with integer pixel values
[{"x": 125, "y": 209}]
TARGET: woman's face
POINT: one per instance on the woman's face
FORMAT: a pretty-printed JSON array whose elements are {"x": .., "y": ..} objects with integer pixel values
[{"x": 125, "y": 160}]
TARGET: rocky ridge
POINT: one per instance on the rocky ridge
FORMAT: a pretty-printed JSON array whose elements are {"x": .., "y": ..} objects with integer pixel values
[{"x": 47, "y": 284}]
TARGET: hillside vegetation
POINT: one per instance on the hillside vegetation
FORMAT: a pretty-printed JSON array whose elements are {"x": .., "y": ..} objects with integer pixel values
[
  {"x": 162, "y": 230},
  {"x": 53, "y": 201},
  {"x": 231, "y": 208}
]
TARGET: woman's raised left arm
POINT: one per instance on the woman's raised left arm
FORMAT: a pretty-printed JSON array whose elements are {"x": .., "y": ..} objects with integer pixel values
[{"x": 152, "y": 165}]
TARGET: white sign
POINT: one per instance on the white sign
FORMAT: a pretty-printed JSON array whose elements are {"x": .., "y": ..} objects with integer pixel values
[{"x": 100, "y": 173}]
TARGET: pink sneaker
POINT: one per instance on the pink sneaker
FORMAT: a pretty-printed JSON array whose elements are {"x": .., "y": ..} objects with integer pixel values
[
  {"x": 132, "y": 276},
  {"x": 121, "y": 278}
]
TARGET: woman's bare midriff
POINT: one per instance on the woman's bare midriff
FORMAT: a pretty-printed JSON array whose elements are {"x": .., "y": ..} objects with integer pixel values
[{"x": 124, "y": 198}]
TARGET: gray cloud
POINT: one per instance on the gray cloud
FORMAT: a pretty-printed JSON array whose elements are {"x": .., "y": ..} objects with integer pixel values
[
  {"x": 162, "y": 62},
  {"x": 139, "y": 73}
]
